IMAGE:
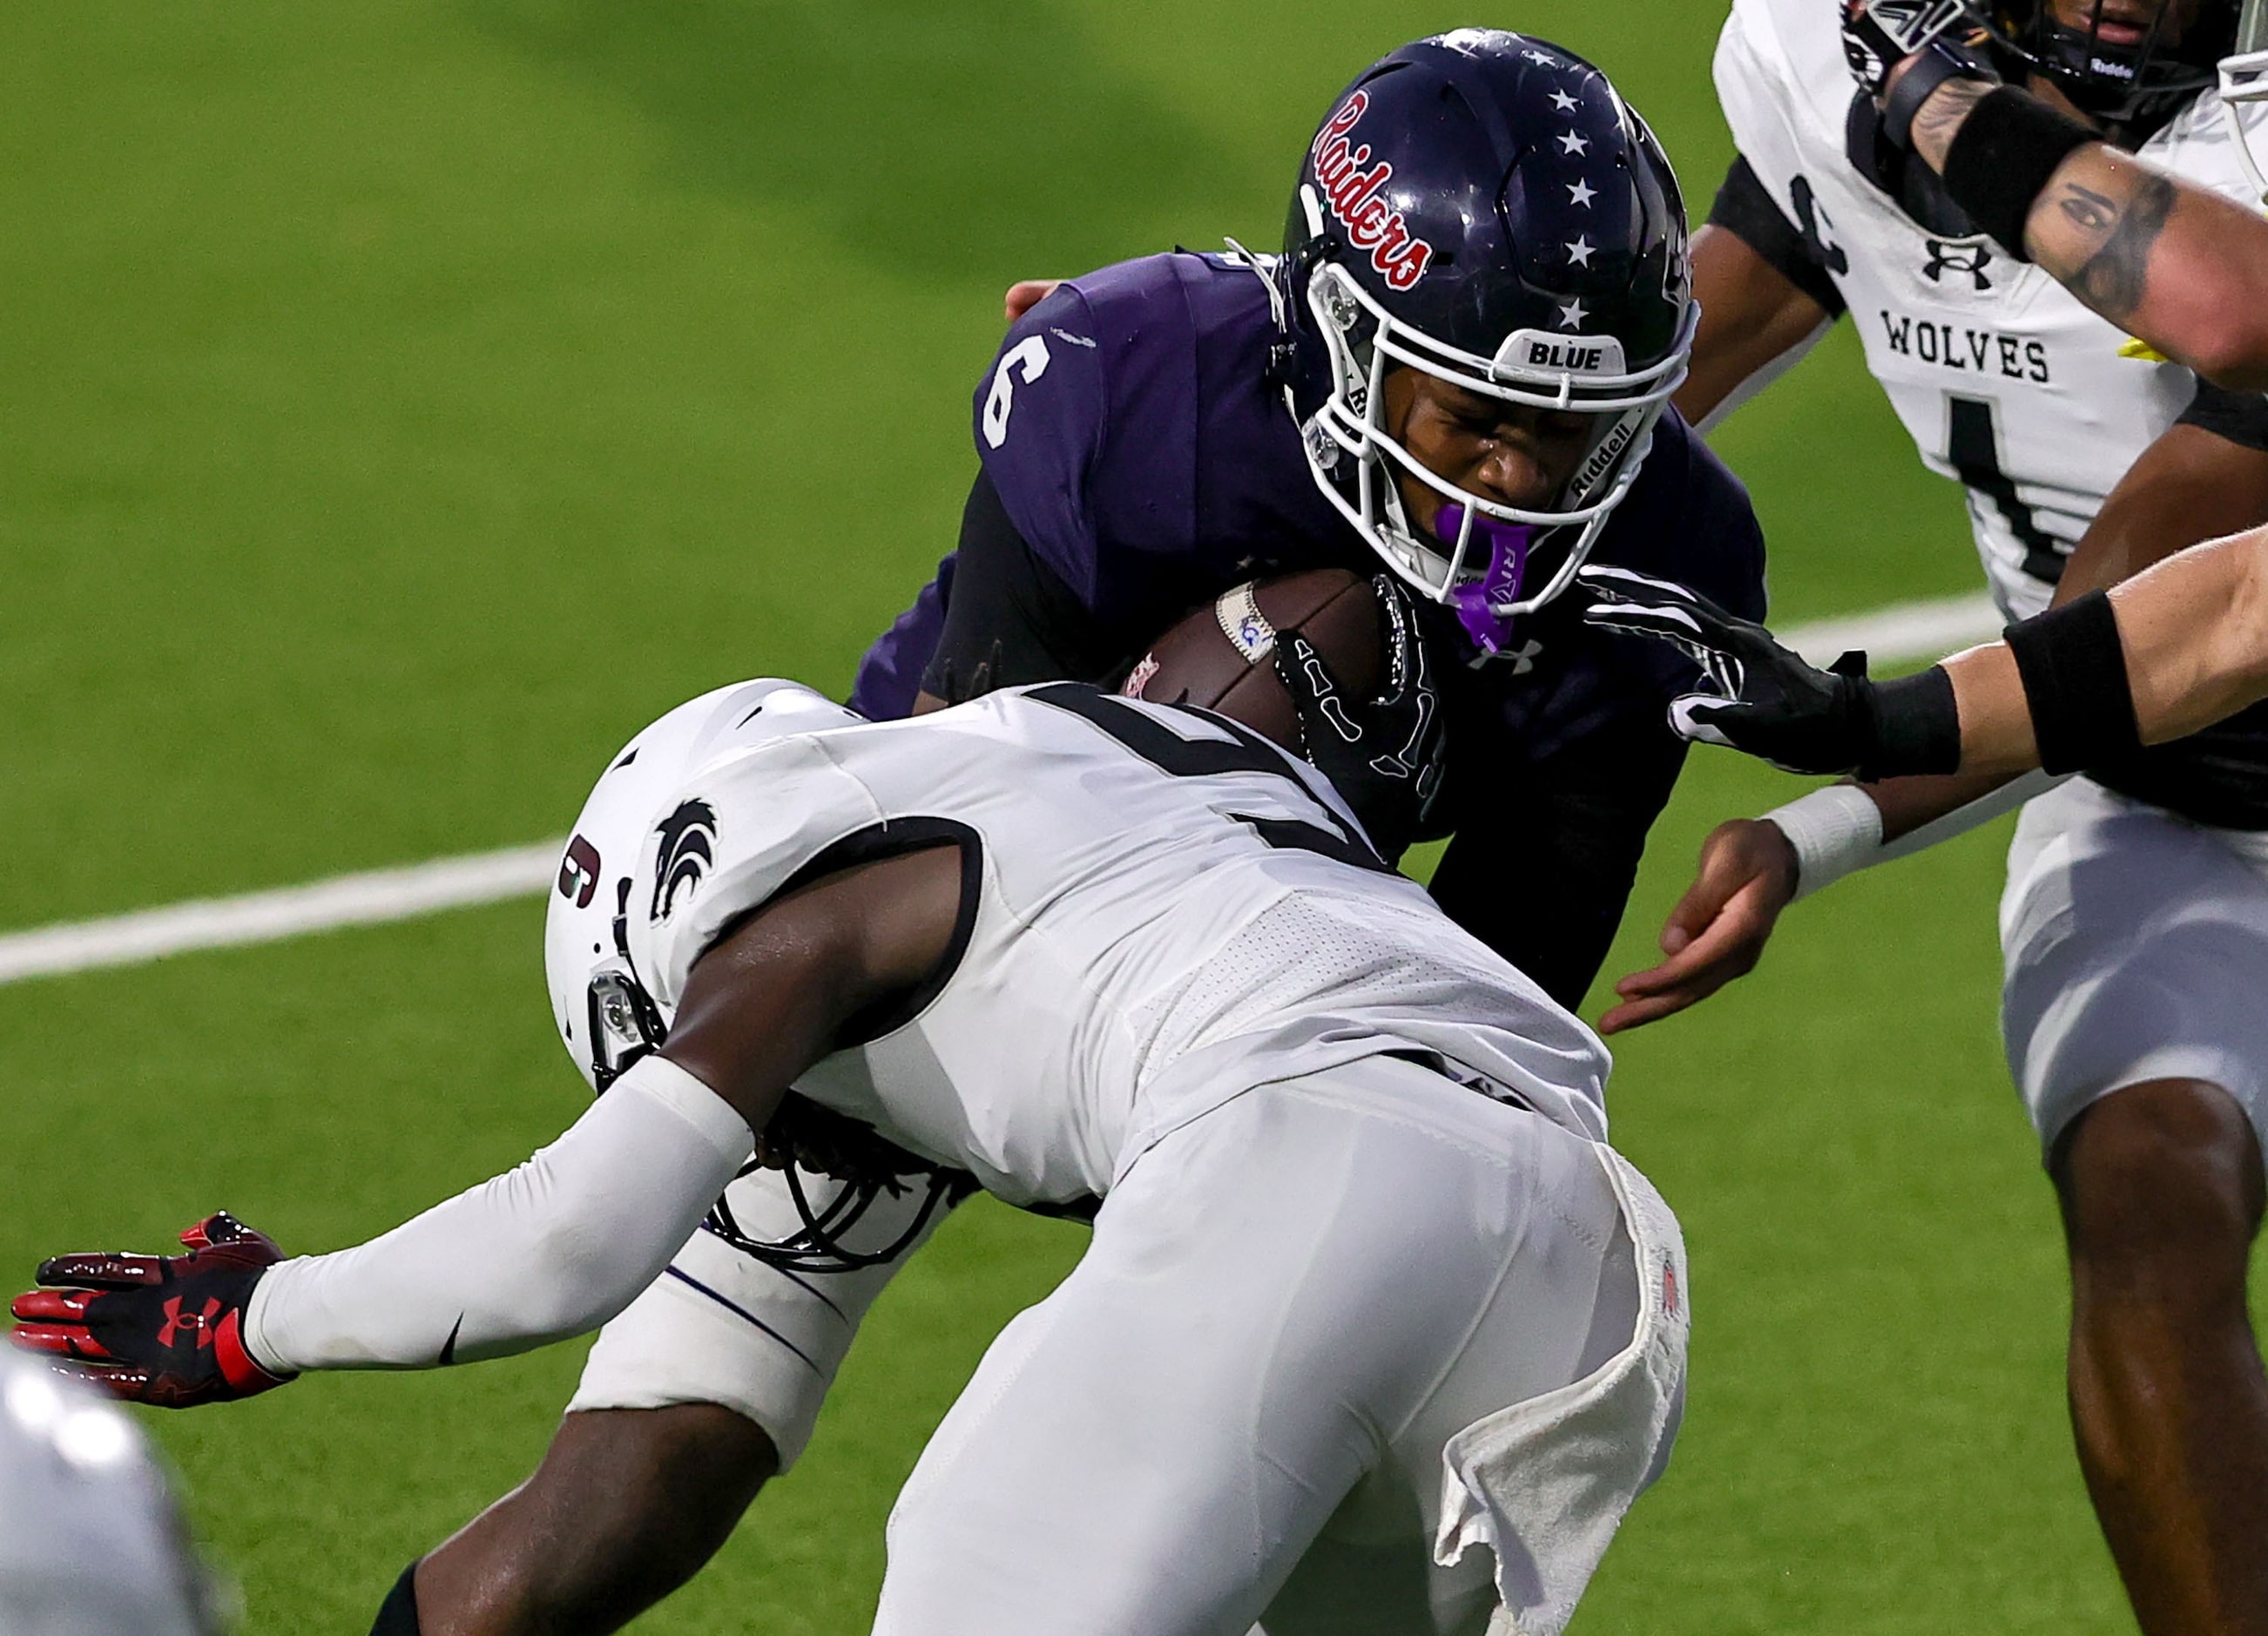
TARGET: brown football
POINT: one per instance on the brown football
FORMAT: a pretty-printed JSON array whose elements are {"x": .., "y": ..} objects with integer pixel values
[{"x": 1222, "y": 656}]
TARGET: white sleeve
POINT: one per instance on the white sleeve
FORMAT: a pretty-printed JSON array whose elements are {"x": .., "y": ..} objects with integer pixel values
[
  {"x": 550, "y": 1250},
  {"x": 1752, "y": 90}
]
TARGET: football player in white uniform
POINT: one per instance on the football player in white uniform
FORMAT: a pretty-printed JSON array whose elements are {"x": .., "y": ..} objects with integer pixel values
[
  {"x": 1367, "y": 1285},
  {"x": 2046, "y": 313}
]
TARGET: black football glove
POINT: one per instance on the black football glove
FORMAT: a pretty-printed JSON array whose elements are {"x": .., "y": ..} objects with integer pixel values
[
  {"x": 1774, "y": 703},
  {"x": 163, "y": 1330},
  {"x": 1383, "y": 754}
]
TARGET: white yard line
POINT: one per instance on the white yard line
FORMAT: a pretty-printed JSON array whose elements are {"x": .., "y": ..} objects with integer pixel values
[
  {"x": 1908, "y": 631},
  {"x": 355, "y": 900},
  {"x": 1903, "y": 631}
]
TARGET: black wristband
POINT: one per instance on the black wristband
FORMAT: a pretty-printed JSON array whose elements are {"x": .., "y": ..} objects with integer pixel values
[
  {"x": 2002, "y": 157},
  {"x": 1916, "y": 726},
  {"x": 1935, "y": 64},
  {"x": 2074, "y": 671}
]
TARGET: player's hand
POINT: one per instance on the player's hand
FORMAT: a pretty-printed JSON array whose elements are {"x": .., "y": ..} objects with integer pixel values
[
  {"x": 1764, "y": 699},
  {"x": 163, "y": 1330},
  {"x": 1383, "y": 754},
  {"x": 1878, "y": 35},
  {"x": 1027, "y": 293},
  {"x": 1719, "y": 927}
]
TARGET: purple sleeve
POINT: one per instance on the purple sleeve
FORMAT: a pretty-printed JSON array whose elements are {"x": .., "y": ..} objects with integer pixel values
[
  {"x": 891, "y": 672},
  {"x": 1041, "y": 413}
]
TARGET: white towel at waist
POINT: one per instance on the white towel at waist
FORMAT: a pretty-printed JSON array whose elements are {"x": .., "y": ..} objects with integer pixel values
[{"x": 1544, "y": 1482}]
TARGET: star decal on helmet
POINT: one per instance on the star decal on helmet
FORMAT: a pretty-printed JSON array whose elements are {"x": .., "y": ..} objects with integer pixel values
[
  {"x": 1542, "y": 59},
  {"x": 1573, "y": 315},
  {"x": 1582, "y": 251},
  {"x": 1565, "y": 103},
  {"x": 1581, "y": 193},
  {"x": 1574, "y": 142}
]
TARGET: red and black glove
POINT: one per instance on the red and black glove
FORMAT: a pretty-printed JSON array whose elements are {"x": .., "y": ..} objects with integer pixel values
[{"x": 163, "y": 1330}]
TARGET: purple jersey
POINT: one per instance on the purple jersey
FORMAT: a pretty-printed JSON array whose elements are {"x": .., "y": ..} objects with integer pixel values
[{"x": 1130, "y": 432}]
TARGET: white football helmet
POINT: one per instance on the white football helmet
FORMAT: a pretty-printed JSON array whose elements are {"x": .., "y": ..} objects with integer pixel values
[
  {"x": 90, "y": 1542},
  {"x": 601, "y": 1010}
]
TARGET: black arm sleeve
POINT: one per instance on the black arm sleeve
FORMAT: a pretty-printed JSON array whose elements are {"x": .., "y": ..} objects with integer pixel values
[
  {"x": 1011, "y": 618},
  {"x": 2242, "y": 417},
  {"x": 1545, "y": 853},
  {"x": 1744, "y": 209}
]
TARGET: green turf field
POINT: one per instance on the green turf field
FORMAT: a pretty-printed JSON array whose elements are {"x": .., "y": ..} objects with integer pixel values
[{"x": 401, "y": 405}]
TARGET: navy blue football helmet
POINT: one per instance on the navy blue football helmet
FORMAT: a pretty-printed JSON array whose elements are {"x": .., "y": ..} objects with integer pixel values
[{"x": 1484, "y": 207}]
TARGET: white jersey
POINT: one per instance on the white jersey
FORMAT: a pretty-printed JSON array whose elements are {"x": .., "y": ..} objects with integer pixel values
[
  {"x": 1161, "y": 913},
  {"x": 2005, "y": 381}
]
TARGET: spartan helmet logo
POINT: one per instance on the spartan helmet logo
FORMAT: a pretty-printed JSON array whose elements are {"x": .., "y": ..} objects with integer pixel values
[
  {"x": 688, "y": 838},
  {"x": 1971, "y": 256}
]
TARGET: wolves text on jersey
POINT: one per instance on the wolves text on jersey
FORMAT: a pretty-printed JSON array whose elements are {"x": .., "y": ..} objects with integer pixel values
[{"x": 1957, "y": 346}]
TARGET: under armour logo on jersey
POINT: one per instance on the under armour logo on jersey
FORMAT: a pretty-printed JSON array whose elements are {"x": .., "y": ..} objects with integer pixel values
[
  {"x": 1971, "y": 256},
  {"x": 688, "y": 838},
  {"x": 1521, "y": 659}
]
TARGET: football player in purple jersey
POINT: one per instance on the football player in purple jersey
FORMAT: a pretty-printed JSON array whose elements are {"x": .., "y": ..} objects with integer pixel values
[{"x": 1458, "y": 368}]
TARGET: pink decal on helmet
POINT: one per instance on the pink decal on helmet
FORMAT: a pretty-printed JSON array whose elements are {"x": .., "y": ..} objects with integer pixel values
[{"x": 1352, "y": 187}]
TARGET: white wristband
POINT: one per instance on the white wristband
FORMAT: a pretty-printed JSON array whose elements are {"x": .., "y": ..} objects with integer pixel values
[{"x": 1834, "y": 831}]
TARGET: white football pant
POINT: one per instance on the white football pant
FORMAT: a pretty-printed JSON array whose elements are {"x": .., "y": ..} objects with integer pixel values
[{"x": 1235, "y": 1407}]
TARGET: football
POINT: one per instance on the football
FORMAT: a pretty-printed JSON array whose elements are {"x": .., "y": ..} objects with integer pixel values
[{"x": 1222, "y": 656}]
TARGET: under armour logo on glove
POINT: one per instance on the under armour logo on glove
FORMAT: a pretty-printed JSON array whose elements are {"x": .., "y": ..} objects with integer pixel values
[
  {"x": 163, "y": 1330},
  {"x": 198, "y": 1323}
]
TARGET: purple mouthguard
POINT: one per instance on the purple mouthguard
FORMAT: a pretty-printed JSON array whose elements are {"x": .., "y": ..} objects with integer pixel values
[{"x": 1475, "y": 601}]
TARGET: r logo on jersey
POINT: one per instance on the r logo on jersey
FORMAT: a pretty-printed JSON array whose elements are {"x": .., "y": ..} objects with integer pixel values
[
  {"x": 688, "y": 847},
  {"x": 1971, "y": 256}
]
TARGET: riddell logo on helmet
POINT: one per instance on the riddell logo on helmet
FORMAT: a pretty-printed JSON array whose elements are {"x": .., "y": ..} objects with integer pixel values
[{"x": 1352, "y": 191}]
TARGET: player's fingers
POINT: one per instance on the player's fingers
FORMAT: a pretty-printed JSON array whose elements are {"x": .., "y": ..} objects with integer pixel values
[
  {"x": 1608, "y": 581},
  {"x": 1725, "y": 946},
  {"x": 1027, "y": 293},
  {"x": 1694, "y": 718},
  {"x": 104, "y": 1269},
  {"x": 1635, "y": 1013},
  {"x": 51, "y": 1306},
  {"x": 60, "y": 1340},
  {"x": 1664, "y": 620}
]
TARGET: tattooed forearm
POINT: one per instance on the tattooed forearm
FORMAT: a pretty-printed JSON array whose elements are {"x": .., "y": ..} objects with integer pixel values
[
  {"x": 1936, "y": 121},
  {"x": 2100, "y": 246}
]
